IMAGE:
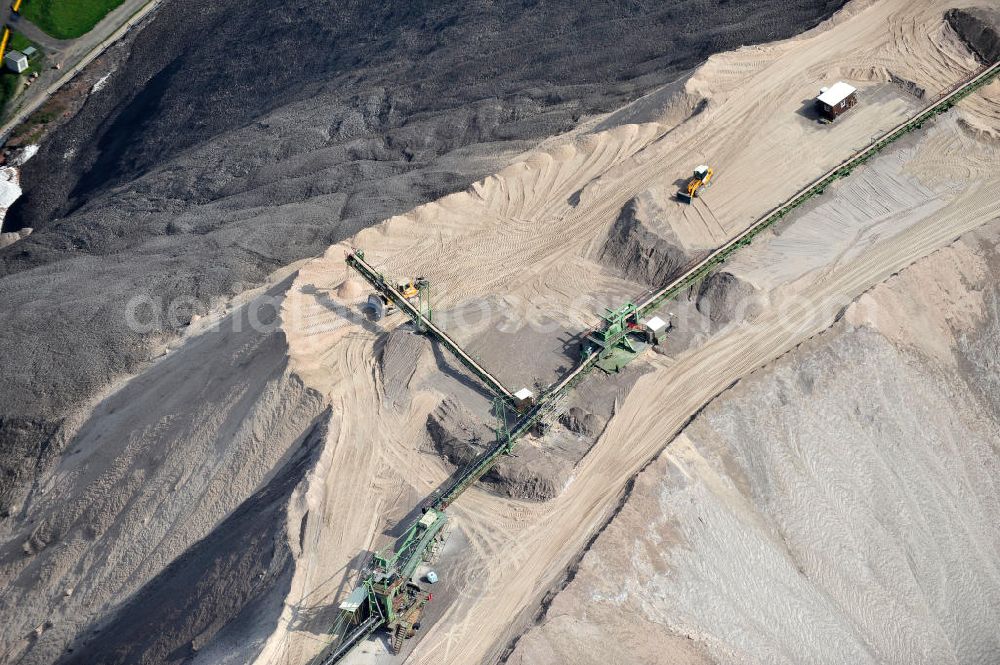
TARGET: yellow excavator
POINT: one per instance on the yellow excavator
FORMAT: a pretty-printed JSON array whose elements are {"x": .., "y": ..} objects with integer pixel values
[{"x": 702, "y": 178}]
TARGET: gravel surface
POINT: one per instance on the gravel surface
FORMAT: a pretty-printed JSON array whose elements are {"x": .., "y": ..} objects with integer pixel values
[
  {"x": 836, "y": 507},
  {"x": 228, "y": 142},
  {"x": 528, "y": 234},
  {"x": 178, "y": 480}
]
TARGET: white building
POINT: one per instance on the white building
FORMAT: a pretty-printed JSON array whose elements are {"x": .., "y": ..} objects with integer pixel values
[
  {"x": 656, "y": 330},
  {"x": 836, "y": 99},
  {"x": 523, "y": 398},
  {"x": 16, "y": 61}
]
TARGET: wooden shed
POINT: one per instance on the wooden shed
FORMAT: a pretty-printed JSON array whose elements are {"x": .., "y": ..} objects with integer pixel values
[{"x": 836, "y": 99}]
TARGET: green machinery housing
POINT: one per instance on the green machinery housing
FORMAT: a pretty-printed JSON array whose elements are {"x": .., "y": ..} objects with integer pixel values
[
  {"x": 388, "y": 596},
  {"x": 612, "y": 343}
]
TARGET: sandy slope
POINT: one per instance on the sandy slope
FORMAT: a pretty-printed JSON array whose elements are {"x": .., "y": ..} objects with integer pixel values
[
  {"x": 835, "y": 507},
  {"x": 201, "y": 164},
  {"x": 528, "y": 235}
]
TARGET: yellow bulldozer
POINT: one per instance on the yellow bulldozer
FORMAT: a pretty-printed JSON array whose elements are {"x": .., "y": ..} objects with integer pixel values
[
  {"x": 407, "y": 289},
  {"x": 382, "y": 306},
  {"x": 702, "y": 178}
]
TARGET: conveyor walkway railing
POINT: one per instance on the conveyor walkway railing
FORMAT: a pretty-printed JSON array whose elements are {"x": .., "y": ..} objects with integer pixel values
[{"x": 369, "y": 626}]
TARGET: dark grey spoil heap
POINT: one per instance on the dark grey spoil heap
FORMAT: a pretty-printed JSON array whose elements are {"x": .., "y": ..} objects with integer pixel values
[{"x": 233, "y": 138}]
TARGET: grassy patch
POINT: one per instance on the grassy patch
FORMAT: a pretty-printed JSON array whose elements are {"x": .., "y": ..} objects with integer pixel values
[
  {"x": 19, "y": 42},
  {"x": 8, "y": 86},
  {"x": 67, "y": 19},
  {"x": 9, "y": 81}
]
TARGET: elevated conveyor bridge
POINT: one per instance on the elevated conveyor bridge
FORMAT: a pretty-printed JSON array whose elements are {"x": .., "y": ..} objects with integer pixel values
[{"x": 423, "y": 322}]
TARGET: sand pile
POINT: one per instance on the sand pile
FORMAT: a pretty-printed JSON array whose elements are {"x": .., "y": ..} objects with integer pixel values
[
  {"x": 836, "y": 507},
  {"x": 13, "y": 236},
  {"x": 10, "y": 191},
  {"x": 723, "y": 297},
  {"x": 579, "y": 421},
  {"x": 349, "y": 289},
  {"x": 526, "y": 239},
  {"x": 532, "y": 474},
  {"x": 398, "y": 357},
  {"x": 979, "y": 28},
  {"x": 642, "y": 247},
  {"x": 456, "y": 434}
]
